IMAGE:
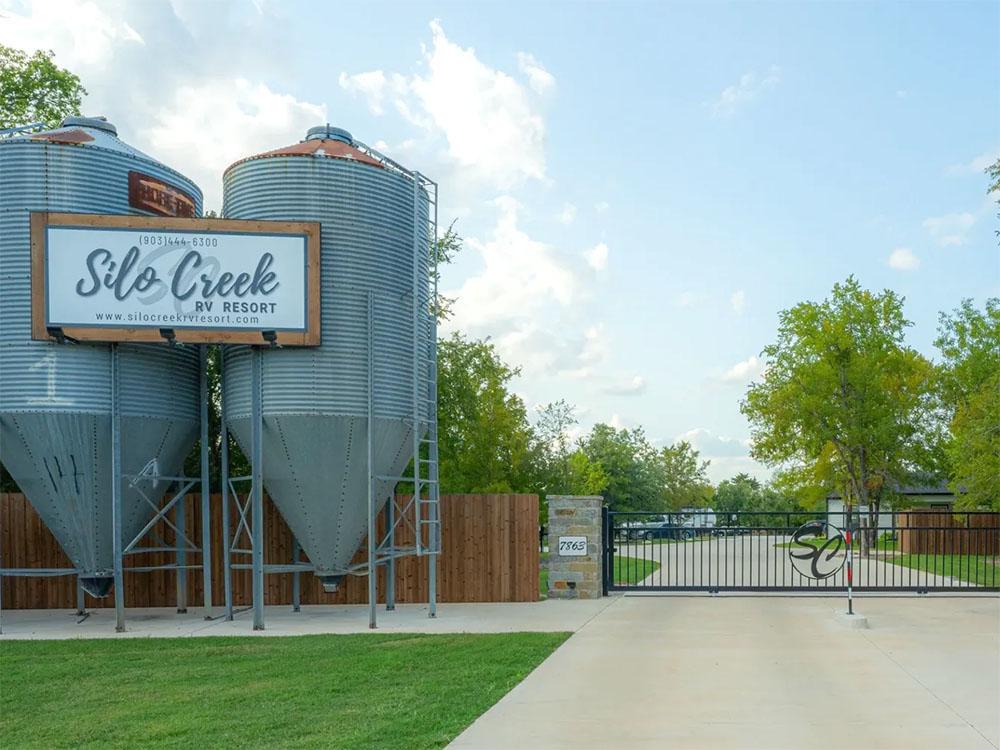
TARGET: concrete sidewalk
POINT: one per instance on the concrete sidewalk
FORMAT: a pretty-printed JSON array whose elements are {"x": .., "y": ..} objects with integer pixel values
[
  {"x": 543, "y": 616},
  {"x": 762, "y": 672}
]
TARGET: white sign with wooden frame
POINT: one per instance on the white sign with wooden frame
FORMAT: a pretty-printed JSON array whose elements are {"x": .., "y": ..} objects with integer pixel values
[{"x": 139, "y": 278}]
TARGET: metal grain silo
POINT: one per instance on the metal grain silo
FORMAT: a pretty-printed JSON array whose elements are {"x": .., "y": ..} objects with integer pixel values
[
  {"x": 376, "y": 226},
  {"x": 55, "y": 399}
]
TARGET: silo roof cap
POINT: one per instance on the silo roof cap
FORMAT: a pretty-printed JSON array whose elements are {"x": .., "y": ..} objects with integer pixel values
[
  {"x": 328, "y": 132},
  {"x": 321, "y": 141},
  {"x": 97, "y": 123}
]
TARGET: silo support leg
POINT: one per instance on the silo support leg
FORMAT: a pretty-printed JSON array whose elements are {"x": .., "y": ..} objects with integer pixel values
[
  {"x": 206, "y": 497},
  {"x": 390, "y": 566},
  {"x": 257, "y": 489},
  {"x": 180, "y": 519},
  {"x": 296, "y": 578},
  {"x": 372, "y": 572},
  {"x": 116, "y": 494},
  {"x": 81, "y": 602},
  {"x": 227, "y": 571}
]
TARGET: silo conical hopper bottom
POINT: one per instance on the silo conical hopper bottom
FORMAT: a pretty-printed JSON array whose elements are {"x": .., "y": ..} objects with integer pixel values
[
  {"x": 62, "y": 463},
  {"x": 316, "y": 473},
  {"x": 97, "y": 587}
]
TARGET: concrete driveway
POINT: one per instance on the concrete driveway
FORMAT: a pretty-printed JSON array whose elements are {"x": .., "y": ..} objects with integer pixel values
[{"x": 762, "y": 672}]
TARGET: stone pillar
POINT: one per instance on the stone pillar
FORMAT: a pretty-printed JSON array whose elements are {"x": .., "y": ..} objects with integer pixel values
[{"x": 575, "y": 569}]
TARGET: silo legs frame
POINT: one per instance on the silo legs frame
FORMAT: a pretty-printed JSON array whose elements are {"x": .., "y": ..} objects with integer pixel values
[
  {"x": 422, "y": 362},
  {"x": 253, "y": 507},
  {"x": 182, "y": 544}
]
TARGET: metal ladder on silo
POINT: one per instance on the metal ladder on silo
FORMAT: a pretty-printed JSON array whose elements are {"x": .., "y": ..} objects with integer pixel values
[{"x": 425, "y": 381}]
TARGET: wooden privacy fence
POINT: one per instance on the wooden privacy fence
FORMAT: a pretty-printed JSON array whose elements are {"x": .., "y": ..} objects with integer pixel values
[
  {"x": 489, "y": 554},
  {"x": 935, "y": 532}
]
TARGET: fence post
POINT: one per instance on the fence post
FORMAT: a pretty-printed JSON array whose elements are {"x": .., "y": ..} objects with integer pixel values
[
  {"x": 576, "y": 547},
  {"x": 606, "y": 541}
]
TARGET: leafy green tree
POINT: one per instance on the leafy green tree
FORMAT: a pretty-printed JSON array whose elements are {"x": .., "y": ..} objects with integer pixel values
[
  {"x": 557, "y": 466},
  {"x": 993, "y": 170},
  {"x": 843, "y": 401},
  {"x": 630, "y": 463},
  {"x": 484, "y": 438},
  {"x": 737, "y": 495},
  {"x": 745, "y": 494},
  {"x": 584, "y": 477},
  {"x": 443, "y": 252},
  {"x": 638, "y": 477},
  {"x": 969, "y": 385},
  {"x": 685, "y": 483},
  {"x": 34, "y": 89}
]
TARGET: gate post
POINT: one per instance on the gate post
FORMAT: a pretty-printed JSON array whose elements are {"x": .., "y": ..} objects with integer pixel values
[
  {"x": 576, "y": 548},
  {"x": 606, "y": 550}
]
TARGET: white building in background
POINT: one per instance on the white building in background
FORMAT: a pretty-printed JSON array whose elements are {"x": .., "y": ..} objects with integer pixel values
[{"x": 906, "y": 498}]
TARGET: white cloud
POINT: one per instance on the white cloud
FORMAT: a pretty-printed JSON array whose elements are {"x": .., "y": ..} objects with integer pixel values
[
  {"x": 520, "y": 276},
  {"x": 728, "y": 456},
  {"x": 687, "y": 299},
  {"x": 950, "y": 229},
  {"x": 710, "y": 444},
  {"x": 540, "y": 80},
  {"x": 200, "y": 103},
  {"x": 81, "y": 32},
  {"x": 601, "y": 206},
  {"x": 490, "y": 122},
  {"x": 744, "y": 371},
  {"x": 749, "y": 87},
  {"x": 628, "y": 386},
  {"x": 739, "y": 301},
  {"x": 568, "y": 214},
  {"x": 597, "y": 256},
  {"x": 977, "y": 165},
  {"x": 903, "y": 259},
  {"x": 618, "y": 423},
  {"x": 371, "y": 85},
  {"x": 211, "y": 124}
]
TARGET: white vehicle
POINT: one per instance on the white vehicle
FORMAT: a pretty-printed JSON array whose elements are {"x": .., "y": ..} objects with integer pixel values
[{"x": 700, "y": 518}]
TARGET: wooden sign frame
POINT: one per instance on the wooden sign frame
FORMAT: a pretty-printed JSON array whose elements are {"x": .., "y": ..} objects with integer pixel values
[{"x": 41, "y": 220}]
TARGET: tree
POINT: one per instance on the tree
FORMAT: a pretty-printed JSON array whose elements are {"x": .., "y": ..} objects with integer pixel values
[
  {"x": 843, "y": 400},
  {"x": 443, "y": 252},
  {"x": 745, "y": 494},
  {"x": 993, "y": 170},
  {"x": 34, "y": 89},
  {"x": 969, "y": 387},
  {"x": 638, "y": 477},
  {"x": 685, "y": 483},
  {"x": 559, "y": 467},
  {"x": 484, "y": 438},
  {"x": 630, "y": 464}
]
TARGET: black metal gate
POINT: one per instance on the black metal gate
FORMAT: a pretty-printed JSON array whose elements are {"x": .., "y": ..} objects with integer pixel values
[{"x": 707, "y": 551}]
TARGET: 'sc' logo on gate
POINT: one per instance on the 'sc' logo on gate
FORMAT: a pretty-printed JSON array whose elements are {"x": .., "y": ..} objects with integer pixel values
[{"x": 817, "y": 558}]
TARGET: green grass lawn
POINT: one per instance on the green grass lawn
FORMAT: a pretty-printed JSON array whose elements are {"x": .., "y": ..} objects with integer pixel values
[
  {"x": 631, "y": 570},
  {"x": 979, "y": 570},
  {"x": 627, "y": 570},
  {"x": 331, "y": 691}
]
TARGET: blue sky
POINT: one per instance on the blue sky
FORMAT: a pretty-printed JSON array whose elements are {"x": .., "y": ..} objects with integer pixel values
[{"x": 642, "y": 186}]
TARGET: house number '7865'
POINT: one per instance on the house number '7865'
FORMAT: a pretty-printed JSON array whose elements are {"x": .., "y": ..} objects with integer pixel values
[{"x": 573, "y": 546}]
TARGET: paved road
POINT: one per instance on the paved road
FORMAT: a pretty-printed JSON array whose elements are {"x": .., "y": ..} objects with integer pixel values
[
  {"x": 762, "y": 672},
  {"x": 755, "y": 560}
]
